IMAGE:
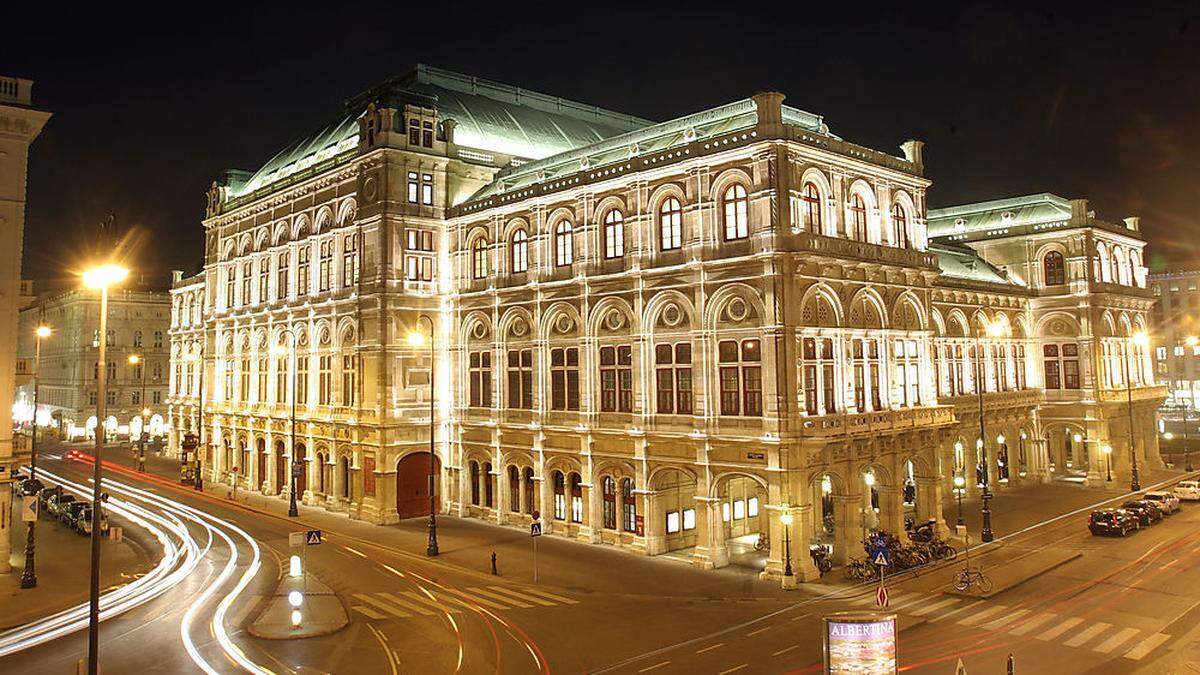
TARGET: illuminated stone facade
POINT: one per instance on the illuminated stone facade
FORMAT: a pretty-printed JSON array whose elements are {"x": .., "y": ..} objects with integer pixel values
[{"x": 660, "y": 336}]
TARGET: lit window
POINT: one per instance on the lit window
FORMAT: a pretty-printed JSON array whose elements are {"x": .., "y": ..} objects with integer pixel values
[
  {"x": 752, "y": 506},
  {"x": 564, "y": 253},
  {"x": 737, "y": 221},
  {"x": 812, "y": 208},
  {"x": 614, "y": 234},
  {"x": 740, "y": 377},
  {"x": 427, "y": 189},
  {"x": 1053, "y": 269},
  {"x": 725, "y": 513},
  {"x": 670, "y": 223},
  {"x": 479, "y": 261},
  {"x": 672, "y": 522},
  {"x": 519, "y": 253},
  {"x": 899, "y": 226},
  {"x": 414, "y": 187},
  {"x": 689, "y": 519},
  {"x": 857, "y": 227}
]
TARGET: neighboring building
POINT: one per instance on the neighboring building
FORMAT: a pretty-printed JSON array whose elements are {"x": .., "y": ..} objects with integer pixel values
[
  {"x": 1177, "y": 318},
  {"x": 617, "y": 307},
  {"x": 138, "y": 321},
  {"x": 20, "y": 124}
]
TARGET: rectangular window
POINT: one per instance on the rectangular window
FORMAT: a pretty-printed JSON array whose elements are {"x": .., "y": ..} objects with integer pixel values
[
  {"x": 907, "y": 360},
  {"x": 520, "y": 379},
  {"x": 260, "y": 396},
  {"x": 281, "y": 379},
  {"x": 350, "y": 268},
  {"x": 689, "y": 519},
  {"x": 414, "y": 131},
  {"x": 672, "y": 522},
  {"x": 326, "y": 264},
  {"x": 427, "y": 189},
  {"x": 740, "y": 377},
  {"x": 302, "y": 380},
  {"x": 564, "y": 378},
  {"x": 1053, "y": 377},
  {"x": 1070, "y": 362},
  {"x": 673, "y": 376},
  {"x": 616, "y": 379},
  {"x": 302, "y": 279},
  {"x": 264, "y": 278},
  {"x": 324, "y": 379},
  {"x": 818, "y": 371},
  {"x": 230, "y": 285},
  {"x": 427, "y": 134},
  {"x": 480, "y": 366},
  {"x": 349, "y": 379},
  {"x": 247, "y": 272},
  {"x": 414, "y": 187},
  {"x": 244, "y": 380},
  {"x": 281, "y": 277}
]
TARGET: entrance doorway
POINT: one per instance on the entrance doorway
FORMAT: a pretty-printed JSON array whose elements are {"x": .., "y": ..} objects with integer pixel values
[
  {"x": 279, "y": 482},
  {"x": 261, "y": 448},
  {"x": 744, "y": 522},
  {"x": 412, "y": 485},
  {"x": 300, "y": 459}
]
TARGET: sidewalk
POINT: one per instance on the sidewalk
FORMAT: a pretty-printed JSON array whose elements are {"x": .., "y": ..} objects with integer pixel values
[{"x": 63, "y": 568}]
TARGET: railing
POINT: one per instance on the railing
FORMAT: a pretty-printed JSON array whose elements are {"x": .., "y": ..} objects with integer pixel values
[
  {"x": 883, "y": 421},
  {"x": 1140, "y": 393},
  {"x": 861, "y": 250},
  {"x": 995, "y": 400},
  {"x": 16, "y": 90}
]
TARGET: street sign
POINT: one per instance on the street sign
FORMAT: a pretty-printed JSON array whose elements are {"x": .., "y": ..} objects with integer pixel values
[
  {"x": 535, "y": 529},
  {"x": 29, "y": 507},
  {"x": 881, "y": 598},
  {"x": 297, "y": 470},
  {"x": 313, "y": 537},
  {"x": 295, "y": 539},
  {"x": 639, "y": 525},
  {"x": 880, "y": 557}
]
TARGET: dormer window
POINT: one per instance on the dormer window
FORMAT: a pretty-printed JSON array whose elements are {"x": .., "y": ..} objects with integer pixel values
[{"x": 420, "y": 133}]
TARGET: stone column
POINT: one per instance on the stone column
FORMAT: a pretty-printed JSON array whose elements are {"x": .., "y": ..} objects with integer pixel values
[
  {"x": 503, "y": 500},
  {"x": 711, "y": 551},
  {"x": 547, "y": 498},
  {"x": 590, "y": 530},
  {"x": 1096, "y": 462},
  {"x": 891, "y": 509},
  {"x": 929, "y": 504},
  {"x": 656, "y": 539},
  {"x": 847, "y": 527}
]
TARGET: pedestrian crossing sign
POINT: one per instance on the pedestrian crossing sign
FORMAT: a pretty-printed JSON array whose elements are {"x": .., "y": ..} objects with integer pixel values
[
  {"x": 880, "y": 558},
  {"x": 535, "y": 529},
  {"x": 313, "y": 537}
]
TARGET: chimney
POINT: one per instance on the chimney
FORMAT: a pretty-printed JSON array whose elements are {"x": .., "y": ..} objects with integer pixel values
[
  {"x": 176, "y": 276},
  {"x": 1079, "y": 209},
  {"x": 1134, "y": 223},
  {"x": 914, "y": 151},
  {"x": 448, "y": 127},
  {"x": 770, "y": 108}
]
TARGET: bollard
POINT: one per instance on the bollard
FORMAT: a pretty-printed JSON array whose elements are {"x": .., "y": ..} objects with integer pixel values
[
  {"x": 494, "y": 563},
  {"x": 1012, "y": 664}
]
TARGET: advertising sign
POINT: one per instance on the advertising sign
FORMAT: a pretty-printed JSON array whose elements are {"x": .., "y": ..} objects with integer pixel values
[
  {"x": 863, "y": 643},
  {"x": 639, "y": 525}
]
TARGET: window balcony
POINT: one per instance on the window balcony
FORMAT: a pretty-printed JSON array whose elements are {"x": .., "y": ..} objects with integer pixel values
[
  {"x": 878, "y": 423},
  {"x": 836, "y": 247}
]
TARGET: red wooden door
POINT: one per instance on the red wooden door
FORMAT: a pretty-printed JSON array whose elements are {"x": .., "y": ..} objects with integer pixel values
[{"x": 412, "y": 485}]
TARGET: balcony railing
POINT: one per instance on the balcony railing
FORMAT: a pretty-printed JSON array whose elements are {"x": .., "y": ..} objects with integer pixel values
[
  {"x": 880, "y": 422},
  {"x": 1140, "y": 393},
  {"x": 995, "y": 400},
  {"x": 861, "y": 250}
]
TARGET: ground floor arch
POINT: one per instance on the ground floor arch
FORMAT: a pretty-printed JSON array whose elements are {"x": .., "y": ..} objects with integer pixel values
[
  {"x": 413, "y": 484},
  {"x": 674, "y": 496}
]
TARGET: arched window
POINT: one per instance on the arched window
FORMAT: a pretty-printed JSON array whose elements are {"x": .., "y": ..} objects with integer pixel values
[
  {"x": 529, "y": 490},
  {"x": 475, "y": 483},
  {"x": 737, "y": 221},
  {"x": 576, "y": 498},
  {"x": 479, "y": 260},
  {"x": 560, "y": 497},
  {"x": 1053, "y": 270},
  {"x": 1116, "y": 265},
  {"x": 812, "y": 208},
  {"x": 1102, "y": 261},
  {"x": 670, "y": 224},
  {"x": 857, "y": 227},
  {"x": 345, "y": 462},
  {"x": 487, "y": 485},
  {"x": 519, "y": 252},
  {"x": 899, "y": 226},
  {"x": 628, "y": 506},
  {"x": 564, "y": 252},
  {"x": 1135, "y": 269},
  {"x": 514, "y": 489},
  {"x": 610, "y": 502},
  {"x": 614, "y": 234}
]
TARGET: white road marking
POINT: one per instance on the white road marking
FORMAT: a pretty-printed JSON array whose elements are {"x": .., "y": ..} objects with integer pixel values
[
  {"x": 756, "y": 632},
  {"x": 473, "y": 599},
  {"x": 733, "y": 669},
  {"x": 710, "y": 648},
  {"x": 405, "y": 604},
  {"x": 1030, "y": 624},
  {"x": 549, "y": 595},
  {"x": 1115, "y": 641},
  {"x": 956, "y": 611},
  {"x": 394, "y": 611},
  {"x": 1146, "y": 646},
  {"x": 426, "y": 602},
  {"x": 979, "y": 616},
  {"x": 370, "y": 613},
  {"x": 784, "y": 650},
  {"x": 508, "y": 592},
  {"x": 1088, "y": 633},
  {"x": 502, "y": 598},
  {"x": 1004, "y": 620},
  {"x": 657, "y": 665},
  {"x": 922, "y": 611},
  {"x": 1061, "y": 628}
]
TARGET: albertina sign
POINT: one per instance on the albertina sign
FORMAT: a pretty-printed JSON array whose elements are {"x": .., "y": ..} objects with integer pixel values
[{"x": 863, "y": 643}]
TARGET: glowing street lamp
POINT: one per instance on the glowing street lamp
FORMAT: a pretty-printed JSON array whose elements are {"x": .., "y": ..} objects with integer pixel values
[
  {"x": 786, "y": 519},
  {"x": 99, "y": 278},
  {"x": 279, "y": 350},
  {"x": 1108, "y": 463},
  {"x": 32, "y": 486},
  {"x": 992, "y": 330},
  {"x": 1140, "y": 338},
  {"x": 417, "y": 339},
  {"x": 136, "y": 360},
  {"x": 1191, "y": 341},
  {"x": 959, "y": 483}
]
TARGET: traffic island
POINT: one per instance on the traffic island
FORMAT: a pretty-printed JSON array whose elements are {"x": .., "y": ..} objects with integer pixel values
[{"x": 320, "y": 611}]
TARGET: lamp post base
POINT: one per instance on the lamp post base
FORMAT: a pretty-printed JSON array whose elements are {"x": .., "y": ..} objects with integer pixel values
[
  {"x": 986, "y": 534},
  {"x": 432, "y": 549}
]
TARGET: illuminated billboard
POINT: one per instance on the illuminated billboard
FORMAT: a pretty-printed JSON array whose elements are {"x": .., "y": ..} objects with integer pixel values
[{"x": 862, "y": 643}]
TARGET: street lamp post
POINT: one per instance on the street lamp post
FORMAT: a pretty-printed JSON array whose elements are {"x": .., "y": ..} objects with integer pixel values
[
  {"x": 198, "y": 479},
  {"x": 29, "y": 574},
  {"x": 416, "y": 339},
  {"x": 1108, "y": 463},
  {"x": 99, "y": 278},
  {"x": 786, "y": 519},
  {"x": 1139, "y": 338},
  {"x": 1191, "y": 341},
  {"x": 293, "y": 509},
  {"x": 959, "y": 484},
  {"x": 993, "y": 330},
  {"x": 136, "y": 360}
]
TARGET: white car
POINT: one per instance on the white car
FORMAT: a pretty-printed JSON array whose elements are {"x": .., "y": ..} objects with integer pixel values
[
  {"x": 1188, "y": 489},
  {"x": 1167, "y": 502}
]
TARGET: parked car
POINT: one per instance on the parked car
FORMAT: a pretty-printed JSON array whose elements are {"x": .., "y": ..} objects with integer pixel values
[
  {"x": 1112, "y": 521},
  {"x": 1147, "y": 512},
  {"x": 71, "y": 512},
  {"x": 57, "y": 505},
  {"x": 82, "y": 522},
  {"x": 46, "y": 494},
  {"x": 1166, "y": 502},
  {"x": 1188, "y": 489}
]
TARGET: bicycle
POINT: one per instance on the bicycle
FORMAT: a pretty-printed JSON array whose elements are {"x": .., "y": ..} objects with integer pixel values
[{"x": 967, "y": 578}]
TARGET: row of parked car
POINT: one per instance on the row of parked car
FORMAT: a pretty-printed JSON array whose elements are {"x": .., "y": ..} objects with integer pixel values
[
  {"x": 1135, "y": 514},
  {"x": 66, "y": 509}
]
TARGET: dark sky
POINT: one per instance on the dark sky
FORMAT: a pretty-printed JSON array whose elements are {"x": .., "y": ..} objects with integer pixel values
[{"x": 150, "y": 103}]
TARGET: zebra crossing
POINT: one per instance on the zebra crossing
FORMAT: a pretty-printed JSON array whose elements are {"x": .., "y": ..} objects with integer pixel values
[
  {"x": 1071, "y": 631},
  {"x": 400, "y": 604}
]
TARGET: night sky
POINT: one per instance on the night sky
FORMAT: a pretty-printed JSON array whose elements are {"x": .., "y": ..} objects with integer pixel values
[{"x": 150, "y": 103}]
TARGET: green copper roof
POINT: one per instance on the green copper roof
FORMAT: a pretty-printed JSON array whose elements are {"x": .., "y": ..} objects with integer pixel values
[
  {"x": 651, "y": 138},
  {"x": 998, "y": 214},
  {"x": 962, "y": 262},
  {"x": 490, "y": 116}
]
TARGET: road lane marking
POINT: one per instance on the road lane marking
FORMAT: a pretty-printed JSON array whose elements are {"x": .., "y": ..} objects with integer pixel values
[
  {"x": 426, "y": 602},
  {"x": 508, "y": 592},
  {"x": 911, "y": 601},
  {"x": 784, "y": 650},
  {"x": 922, "y": 611},
  {"x": 355, "y": 551},
  {"x": 1061, "y": 628},
  {"x": 473, "y": 599},
  {"x": 492, "y": 594},
  {"x": 1009, "y": 618},
  {"x": 1088, "y": 633},
  {"x": 1146, "y": 646},
  {"x": 1032, "y": 623},
  {"x": 1115, "y": 641},
  {"x": 657, "y": 665},
  {"x": 710, "y": 648},
  {"x": 733, "y": 669},
  {"x": 756, "y": 632},
  {"x": 394, "y": 611},
  {"x": 979, "y": 616},
  {"x": 956, "y": 611},
  {"x": 549, "y": 595},
  {"x": 802, "y": 616},
  {"x": 405, "y": 604},
  {"x": 370, "y": 613}
]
